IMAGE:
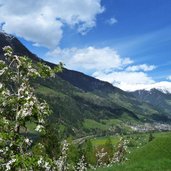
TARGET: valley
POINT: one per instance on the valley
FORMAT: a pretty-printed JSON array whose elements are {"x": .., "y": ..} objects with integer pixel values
[
  {"x": 83, "y": 105},
  {"x": 85, "y": 85},
  {"x": 94, "y": 115}
]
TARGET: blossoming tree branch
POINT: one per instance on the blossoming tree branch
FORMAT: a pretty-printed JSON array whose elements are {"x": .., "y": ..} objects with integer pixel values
[{"x": 18, "y": 106}]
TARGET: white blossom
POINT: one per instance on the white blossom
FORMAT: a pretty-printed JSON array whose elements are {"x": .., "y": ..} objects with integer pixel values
[
  {"x": 61, "y": 163},
  {"x": 1, "y": 85},
  {"x": 27, "y": 141},
  {"x": 82, "y": 165},
  {"x": 39, "y": 128},
  {"x": 9, "y": 164}
]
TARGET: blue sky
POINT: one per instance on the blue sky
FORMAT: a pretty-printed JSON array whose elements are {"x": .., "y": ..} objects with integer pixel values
[{"x": 126, "y": 43}]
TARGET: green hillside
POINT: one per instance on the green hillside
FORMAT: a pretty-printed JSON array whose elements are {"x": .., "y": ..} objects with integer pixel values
[
  {"x": 84, "y": 105},
  {"x": 90, "y": 111},
  {"x": 154, "y": 156}
]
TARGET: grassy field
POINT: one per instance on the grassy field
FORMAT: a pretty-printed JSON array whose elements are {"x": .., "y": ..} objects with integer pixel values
[
  {"x": 102, "y": 140},
  {"x": 106, "y": 125},
  {"x": 134, "y": 139},
  {"x": 147, "y": 156}
]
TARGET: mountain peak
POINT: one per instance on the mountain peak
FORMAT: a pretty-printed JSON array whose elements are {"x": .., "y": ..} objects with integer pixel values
[
  {"x": 78, "y": 79},
  {"x": 19, "y": 49},
  {"x": 8, "y": 36},
  {"x": 152, "y": 91},
  {"x": 163, "y": 86}
]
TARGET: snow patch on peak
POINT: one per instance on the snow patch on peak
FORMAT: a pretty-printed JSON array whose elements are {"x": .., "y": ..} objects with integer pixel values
[
  {"x": 164, "y": 90},
  {"x": 163, "y": 86}
]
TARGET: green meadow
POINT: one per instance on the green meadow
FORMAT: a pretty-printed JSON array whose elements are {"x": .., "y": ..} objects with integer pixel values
[{"x": 144, "y": 155}]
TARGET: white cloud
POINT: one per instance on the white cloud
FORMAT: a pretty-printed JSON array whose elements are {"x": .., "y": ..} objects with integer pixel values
[
  {"x": 142, "y": 67},
  {"x": 41, "y": 21},
  {"x": 89, "y": 58},
  {"x": 164, "y": 86},
  {"x": 107, "y": 65},
  {"x": 112, "y": 21},
  {"x": 169, "y": 77},
  {"x": 124, "y": 78},
  {"x": 131, "y": 81}
]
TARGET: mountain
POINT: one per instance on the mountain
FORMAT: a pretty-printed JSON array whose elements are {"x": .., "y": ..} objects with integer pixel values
[
  {"x": 163, "y": 86},
  {"x": 84, "y": 105},
  {"x": 18, "y": 47},
  {"x": 157, "y": 97}
]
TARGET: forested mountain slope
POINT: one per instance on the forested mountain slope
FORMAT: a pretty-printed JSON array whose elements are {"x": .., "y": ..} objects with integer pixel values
[{"x": 83, "y": 104}]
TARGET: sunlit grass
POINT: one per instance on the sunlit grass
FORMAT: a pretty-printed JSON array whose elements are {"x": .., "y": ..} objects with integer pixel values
[{"x": 152, "y": 156}]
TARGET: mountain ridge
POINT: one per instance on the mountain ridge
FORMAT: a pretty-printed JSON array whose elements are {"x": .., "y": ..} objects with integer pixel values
[
  {"x": 77, "y": 99},
  {"x": 163, "y": 86},
  {"x": 155, "y": 97},
  {"x": 20, "y": 49}
]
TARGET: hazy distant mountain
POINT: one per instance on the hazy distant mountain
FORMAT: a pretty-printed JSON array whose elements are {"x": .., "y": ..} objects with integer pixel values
[
  {"x": 158, "y": 98},
  {"x": 163, "y": 86}
]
